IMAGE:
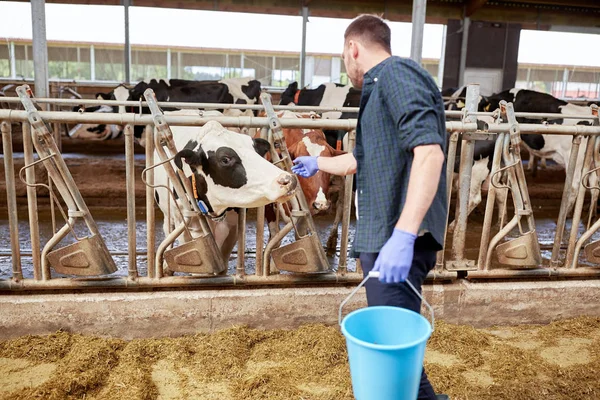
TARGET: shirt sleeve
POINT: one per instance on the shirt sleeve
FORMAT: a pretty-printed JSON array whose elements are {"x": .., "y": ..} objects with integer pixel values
[{"x": 413, "y": 107}]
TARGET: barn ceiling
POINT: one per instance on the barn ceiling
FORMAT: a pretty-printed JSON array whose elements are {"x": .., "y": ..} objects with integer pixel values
[{"x": 533, "y": 14}]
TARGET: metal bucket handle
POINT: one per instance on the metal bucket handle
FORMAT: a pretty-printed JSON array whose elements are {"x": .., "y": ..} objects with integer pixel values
[{"x": 375, "y": 274}]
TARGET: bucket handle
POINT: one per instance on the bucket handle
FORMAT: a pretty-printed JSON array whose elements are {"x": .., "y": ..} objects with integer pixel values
[{"x": 375, "y": 274}]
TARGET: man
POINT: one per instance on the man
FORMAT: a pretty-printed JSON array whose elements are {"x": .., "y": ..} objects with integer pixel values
[{"x": 399, "y": 159}]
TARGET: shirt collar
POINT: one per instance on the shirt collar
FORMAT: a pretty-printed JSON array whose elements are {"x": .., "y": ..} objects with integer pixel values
[{"x": 373, "y": 74}]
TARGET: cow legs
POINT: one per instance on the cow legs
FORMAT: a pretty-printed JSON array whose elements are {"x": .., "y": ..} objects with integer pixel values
[{"x": 479, "y": 174}]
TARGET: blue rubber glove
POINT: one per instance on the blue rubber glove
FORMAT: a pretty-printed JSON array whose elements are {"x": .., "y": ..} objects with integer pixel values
[
  {"x": 305, "y": 166},
  {"x": 395, "y": 257}
]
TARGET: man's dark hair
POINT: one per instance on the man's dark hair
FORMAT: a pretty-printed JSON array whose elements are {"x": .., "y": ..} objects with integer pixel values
[{"x": 370, "y": 30}]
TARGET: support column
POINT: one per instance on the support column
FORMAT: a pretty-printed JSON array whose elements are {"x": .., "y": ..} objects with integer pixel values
[
  {"x": 463, "y": 51},
  {"x": 442, "y": 62},
  {"x": 418, "y": 25},
  {"x": 13, "y": 61},
  {"x": 303, "y": 48},
  {"x": 126, "y": 4},
  {"x": 169, "y": 63},
  {"x": 336, "y": 69},
  {"x": 40, "y": 47},
  {"x": 92, "y": 63},
  {"x": 565, "y": 82}
]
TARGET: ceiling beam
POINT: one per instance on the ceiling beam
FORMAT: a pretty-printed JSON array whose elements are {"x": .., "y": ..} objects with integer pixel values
[{"x": 473, "y": 5}]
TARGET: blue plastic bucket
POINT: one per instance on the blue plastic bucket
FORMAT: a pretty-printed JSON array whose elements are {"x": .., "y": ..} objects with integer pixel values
[{"x": 386, "y": 347}]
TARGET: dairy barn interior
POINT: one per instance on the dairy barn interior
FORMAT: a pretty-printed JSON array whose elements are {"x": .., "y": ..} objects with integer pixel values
[{"x": 118, "y": 281}]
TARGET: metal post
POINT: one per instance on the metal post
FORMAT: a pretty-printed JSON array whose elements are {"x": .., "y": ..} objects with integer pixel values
[
  {"x": 127, "y": 43},
  {"x": 464, "y": 179},
  {"x": 130, "y": 190},
  {"x": 343, "y": 263},
  {"x": 40, "y": 47},
  {"x": 442, "y": 62},
  {"x": 34, "y": 227},
  {"x": 303, "y": 48},
  {"x": 565, "y": 82},
  {"x": 528, "y": 78},
  {"x": 11, "y": 194},
  {"x": 92, "y": 63},
  {"x": 418, "y": 24},
  {"x": 13, "y": 61},
  {"x": 150, "y": 223},
  {"x": 179, "y": 74},
  {"x": 241, "y": 244},
  {"x": 169, "y": 63},
  {"x": 463, "y": 51}
]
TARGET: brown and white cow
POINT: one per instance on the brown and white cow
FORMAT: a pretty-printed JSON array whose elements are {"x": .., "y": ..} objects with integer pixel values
[{"x": 306, "y": 142}]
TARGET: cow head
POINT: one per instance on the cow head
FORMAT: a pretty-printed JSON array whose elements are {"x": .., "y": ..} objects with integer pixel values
[
  {"x": 230, "y": 170},
  {"x": 288, "y": 94},
  {"x": 315, "y": 188}
]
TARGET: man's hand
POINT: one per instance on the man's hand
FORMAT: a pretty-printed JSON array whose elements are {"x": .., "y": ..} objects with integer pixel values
[
  {"x": 305, "y": 166},
  {"x": 395, "y": 257}
]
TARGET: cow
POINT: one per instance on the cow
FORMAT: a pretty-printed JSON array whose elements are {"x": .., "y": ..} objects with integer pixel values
[
  {"x": 226, "y": 91},
  {"x": 326, "y": 95},
  {"x": 229, "y": 172},
  {"x": 556, "y": 147},
  {"x": 316, "y": 189}
]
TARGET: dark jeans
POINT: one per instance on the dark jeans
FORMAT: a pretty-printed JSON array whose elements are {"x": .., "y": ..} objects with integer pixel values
[{"x": 401, "y": 295}]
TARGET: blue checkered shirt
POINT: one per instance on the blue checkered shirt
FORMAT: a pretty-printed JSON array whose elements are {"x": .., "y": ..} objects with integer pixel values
[{"x": 400, "y": 108}]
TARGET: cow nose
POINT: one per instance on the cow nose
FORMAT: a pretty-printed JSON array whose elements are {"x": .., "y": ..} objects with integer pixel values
[
  {"x": 288, "y": 180},
  {"x": 321, "y": 205}
]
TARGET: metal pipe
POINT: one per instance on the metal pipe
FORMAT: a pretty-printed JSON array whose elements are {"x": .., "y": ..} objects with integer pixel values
[
  {"x": 303, "y": 48},
  {"x": 260, "y": 239},
  {"x": 182, "y": 105},
  {"x": 40, "y": 47},
  {"x": 92, "y": 63},
  {"x": 466, "y": 166},
  {"x": 241, "y": 244},
  {"x": 11, "y": 194},
  {"x": 482, "y": 264},
  {"x": 348, "y": 124},
  {"x": 450, "y": 160},
  {"x": 127, "y": 43},
  {"x": 194, "y": 281},
  {"x": 442, "y": 61},
  {"x": 419, "y": 10},
  {"x": 163, "y": 246},
  {"x": 534, "y": 273},
  {"x": 168, "y": 63},
  {"x": 32, "y": 208},
  {"x": 13, "y": 61},
  {"x": 463, "y": 51},
  {"x": 562, "y": 214},
  {"x": 54, "y": 240},
  {"x": 343, "y": 262},
  {"x": 571, "y": 257},
  {"x": 274, "y": 240},
  {"x": 150, "y": 214},
  {"x": 130, "y": 189}
]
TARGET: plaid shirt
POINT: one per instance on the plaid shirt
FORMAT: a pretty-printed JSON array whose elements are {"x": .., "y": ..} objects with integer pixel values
[{"x": 400, "y": 108}]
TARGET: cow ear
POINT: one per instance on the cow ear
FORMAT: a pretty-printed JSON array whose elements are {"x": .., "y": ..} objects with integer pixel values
[
  {"x": 261, "y": 146},
  {"x": 191, "y": 157}
]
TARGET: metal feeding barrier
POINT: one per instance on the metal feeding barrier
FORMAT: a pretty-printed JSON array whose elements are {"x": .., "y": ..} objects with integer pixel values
[
  {"x": 302, "y": 262},
  {"x": 89, "y": 255},
  {"x": 306, "y": 254},
  {"x": 200, "y": 254}
]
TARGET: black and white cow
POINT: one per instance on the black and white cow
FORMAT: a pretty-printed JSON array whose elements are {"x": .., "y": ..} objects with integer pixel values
[
  {"x": 226, "y": 91},
  {"x": 229, "y": 172},
  {"x": 326, "y": 95},
  {"x": 555, "y": 147}
]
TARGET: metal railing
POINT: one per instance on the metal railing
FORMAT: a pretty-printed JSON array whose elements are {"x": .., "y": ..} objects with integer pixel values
[{"x": 506, "y": 174}]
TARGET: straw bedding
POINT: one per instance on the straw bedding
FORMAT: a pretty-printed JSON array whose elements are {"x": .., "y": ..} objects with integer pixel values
[{"x": 557, "y": 361}]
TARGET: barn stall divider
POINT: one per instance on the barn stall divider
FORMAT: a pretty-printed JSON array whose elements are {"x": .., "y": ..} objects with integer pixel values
[{"x": 507, "y": 176}]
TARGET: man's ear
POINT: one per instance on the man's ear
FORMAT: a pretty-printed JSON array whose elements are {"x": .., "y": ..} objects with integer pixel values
[
  {"x": 193, "y": 158},
  {"x": 261, "y": 146}
]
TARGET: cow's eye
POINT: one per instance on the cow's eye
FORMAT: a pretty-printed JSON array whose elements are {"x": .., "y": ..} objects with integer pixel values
[{"x": 225, "y": 160}]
